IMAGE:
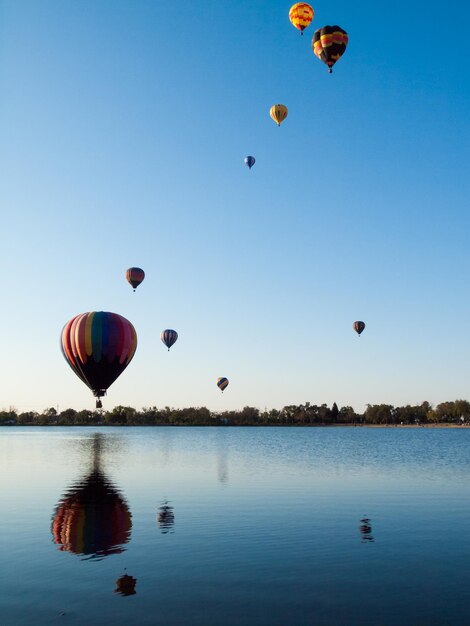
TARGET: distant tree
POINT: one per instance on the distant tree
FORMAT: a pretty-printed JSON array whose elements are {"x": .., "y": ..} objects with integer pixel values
[
  {"x": 347, "y": 415},
  {"x": 67, "y": 417},
  {"x": 8, "y": 417},
  {"x": 379, "y": 414},
  {"x": 120, "y": 415},
  {"x": 334, "y": 412},
  {"x": 29, "y": 417}
]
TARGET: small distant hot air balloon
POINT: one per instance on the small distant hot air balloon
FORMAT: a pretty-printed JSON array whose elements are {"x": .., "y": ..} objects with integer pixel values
[
  {"x": 301, "y": 15},
  {"x": 222, "y": 383},
  {"x": 329, "y": 44},
  {"x": 250, "y": 161},
  {"x": 134, "y": 276},
  {"x": 168, "y": 337},
  {"x": 278, "y": 113},
  {"x": 98, "y": 346},
  {"x": 359, "y": 327}
]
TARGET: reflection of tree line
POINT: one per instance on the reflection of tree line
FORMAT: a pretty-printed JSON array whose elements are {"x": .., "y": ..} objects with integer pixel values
[{"x": 456, "y": 412}]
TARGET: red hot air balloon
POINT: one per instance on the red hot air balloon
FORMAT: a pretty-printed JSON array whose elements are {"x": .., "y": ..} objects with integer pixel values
[
  {"x": 98, "y": 346},
  {"x": 134, "y": 276},
  {"x": 359, "y": 327}
]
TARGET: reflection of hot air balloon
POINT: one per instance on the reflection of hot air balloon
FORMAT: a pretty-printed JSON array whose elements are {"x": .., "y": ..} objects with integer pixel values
[
  {"x": 168, "y": 337},
  {"x": 250, "y": 161},
  {"x": 359, "y": 327},
  {"x": 125, "y": 585},
  {"x": 222, "y": 383},
  {"x": 365, "y": 529},
  {"x": 92, "y": 518},
  {"x": 134, "y": 276},
  {"x": 301, "y": 16},
  {"x": 98, "y": 346},
  {"x": 278, "y": 113},
  {"x": 329, "y": 44},
  {"x": 166, "y": 517}
]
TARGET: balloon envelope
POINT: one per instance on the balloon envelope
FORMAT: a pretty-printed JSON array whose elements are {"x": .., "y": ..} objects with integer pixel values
[
  {"x": 168, "y": 337},
  {"x": 250, "y": 161},
  {"x": 301, "y": 15},
  {"x": 222, "y": 383},
  {"x": 98, "y": 346},
  {"x": 278, "y": 113},
  {"x": 134, "y": 276},
  {"x": 359, "y": 327},
  {"x": 329, "y": 44}
]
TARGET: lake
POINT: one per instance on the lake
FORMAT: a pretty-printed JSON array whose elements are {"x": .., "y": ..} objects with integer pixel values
[{"x": 215, "y": 526}]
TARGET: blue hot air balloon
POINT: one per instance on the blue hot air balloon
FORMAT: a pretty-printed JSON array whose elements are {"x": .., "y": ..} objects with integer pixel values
[
  {"x": 250, "y": 161},
  {"x": 168, "y": 337}
]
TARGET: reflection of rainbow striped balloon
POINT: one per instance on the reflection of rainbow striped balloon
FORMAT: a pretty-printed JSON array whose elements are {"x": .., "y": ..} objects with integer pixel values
[
  {"x": 134, "y": 276},
  {"x": 98, "y": 346},
  {"x": 301, "y": 15},
  {"x": 92, "y": 519},
  {"x": 222, "y": 383},
  {"x": 329, "y": 44},
  {"x": 168, "y": 337}
]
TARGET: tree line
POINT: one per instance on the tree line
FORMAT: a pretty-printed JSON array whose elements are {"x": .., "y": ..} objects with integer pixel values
[{"x": 456, "y": 412}]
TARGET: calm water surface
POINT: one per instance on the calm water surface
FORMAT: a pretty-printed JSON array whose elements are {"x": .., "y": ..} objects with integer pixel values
[{"x": 220, "y": 526}]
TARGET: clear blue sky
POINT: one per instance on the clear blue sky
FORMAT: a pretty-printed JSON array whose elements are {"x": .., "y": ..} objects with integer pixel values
[{"x": 124, "y": 125}]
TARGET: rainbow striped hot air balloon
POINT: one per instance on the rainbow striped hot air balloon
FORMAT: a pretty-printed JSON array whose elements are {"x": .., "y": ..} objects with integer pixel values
[
  {"x": 329, "y": 44},
  {"x": 134, "y": 276},
  {"x": 98, "y": 346},
  {"x": 301, "y": 15},
  {"x": 168, "y": 337},
  {"x": 222, "y": 383}
]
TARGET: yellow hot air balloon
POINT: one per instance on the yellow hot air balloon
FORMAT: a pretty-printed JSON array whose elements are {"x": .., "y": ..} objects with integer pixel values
[
  {"x": 301, "y": 16},
  {"x": 278, "y": 112}
]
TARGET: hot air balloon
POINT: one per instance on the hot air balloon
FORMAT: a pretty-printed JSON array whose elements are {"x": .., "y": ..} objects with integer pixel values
[
  {"x": 359, "y": 327},
  {"x": 329, "y": 44},
  {"x": 222, "y": 383},
  {"x": 168, "y": 337},
  {"x": 250, "y": 161},
  {"x": 278, "y": 113},
  {"x": 98, "y": 346},
  {"x": 301, "y": 15},
  {"x": 134, "y": 276}
]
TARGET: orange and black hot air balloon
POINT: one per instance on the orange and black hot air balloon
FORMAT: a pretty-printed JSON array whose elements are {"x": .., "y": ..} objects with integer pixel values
[
  {"x": 359, "y": 327},
  {"x": 301, "y": 15},
  {"x": 134, "y": 276},
  {"x": 329, "y": 44}
]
